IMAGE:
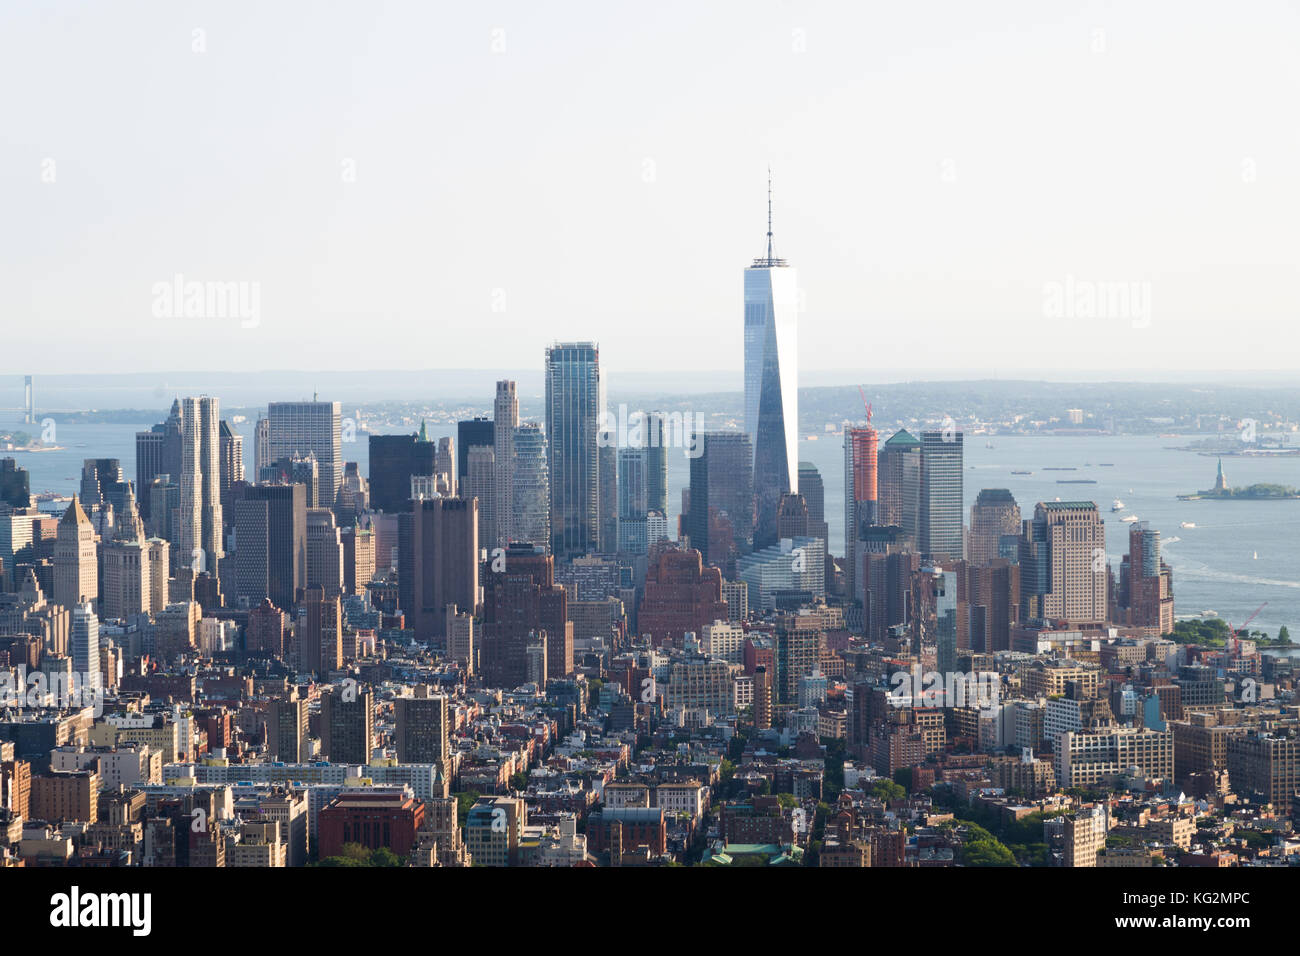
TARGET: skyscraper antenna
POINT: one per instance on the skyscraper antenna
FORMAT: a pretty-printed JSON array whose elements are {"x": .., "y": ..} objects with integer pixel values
[{"x": 769, "y": 213}]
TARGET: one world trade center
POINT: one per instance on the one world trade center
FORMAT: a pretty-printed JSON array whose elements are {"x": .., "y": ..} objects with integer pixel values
[{"x": 771, "y": 383}]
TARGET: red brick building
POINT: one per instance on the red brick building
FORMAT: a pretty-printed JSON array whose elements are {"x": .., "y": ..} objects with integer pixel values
[
  {"x": 635, "y": 826},
  {"x": 373, "y": 818},
  {"x": 681, "y": 595}
]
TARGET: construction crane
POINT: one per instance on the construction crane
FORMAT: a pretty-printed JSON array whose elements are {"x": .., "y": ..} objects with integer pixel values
[
  {"x": 865, "y": 404},
  {"x": 1234, "y": 631}
]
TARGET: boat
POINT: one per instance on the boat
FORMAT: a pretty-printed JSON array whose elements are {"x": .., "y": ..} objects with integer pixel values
[
  {"x": 1187, "y": 524},
  {"x": 1129, "y": 519},
  {"x": 1117, "y": 505},
  {"x": 1022, "y": 473},
  {"x": 1076, "y": 481}
]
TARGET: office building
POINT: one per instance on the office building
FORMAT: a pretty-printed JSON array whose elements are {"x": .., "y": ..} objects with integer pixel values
[
  {"x": 474, "y": 433},
  {"x": 993, "y": 515},
  {"x": 347, "y": 724},
  {"x": 438, "y": 554},
  {"x": 15, "y": 484},
  {"x": 198, "y": 530},
  {"x": 1063, "y": 563},
  {"x": 394, "y": 460},
  {"x": 531, "y": 520},
  {"x": 720, "y": 522},
  {"x": 575, "y": 404},
  {"x": 771, "y": 382},
  {"x": 521, "y": 603},
  {"x": 632, "y": 498},
  {"x": 942, "y": 511},
  {"x": 324, "y": 551},
  {"x": 300, "y": 429},
  {"x": 76, "y": 563},
  {"x": 656, "y": 464},
  {"x": 270, "y": 544},
  {"x": 505, "y": 421}
]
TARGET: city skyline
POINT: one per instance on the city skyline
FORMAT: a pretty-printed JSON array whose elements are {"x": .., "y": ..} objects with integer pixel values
[{"x": 492, "y": 491}]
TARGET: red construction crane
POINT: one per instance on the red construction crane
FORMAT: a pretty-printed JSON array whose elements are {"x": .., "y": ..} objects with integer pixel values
[
  {"x": 865, "y": 404},
  {"x": 1234, "y": 631}
]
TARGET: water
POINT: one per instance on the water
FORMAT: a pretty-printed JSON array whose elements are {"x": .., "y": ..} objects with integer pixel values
[{"x": 1214, "y": 564}]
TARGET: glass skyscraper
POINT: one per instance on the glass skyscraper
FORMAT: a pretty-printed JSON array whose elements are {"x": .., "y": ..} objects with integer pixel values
[
  {"x": 632, "y": 500},
  {"x": 575, "y": 402},
  {"x": 656, "y": 464},
  {"x": 531, "y": 487},
  {"x": 771, "y": 382},
  {"x": 941, "y": 494}
]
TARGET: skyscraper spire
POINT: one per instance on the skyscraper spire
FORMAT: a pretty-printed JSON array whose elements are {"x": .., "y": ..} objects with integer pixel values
[{"x": 769, "y": 213}]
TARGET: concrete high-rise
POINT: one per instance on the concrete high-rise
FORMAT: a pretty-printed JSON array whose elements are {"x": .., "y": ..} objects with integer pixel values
[
  {"x": 199, "y": 526},
  {"x": 521, "y": 603},
  {"x": 607, "y": 497},
  {"x": 480, "y": 484},
  {"x": 575, "y": 404},
  {"x": 126, "y": 582},
  {"x": 76, "y": 564},
  {"x": 347, "y": 724},
  {"x": 438, "y": 554},
  {"x": 324, "y": 551},
  {"x": 994, "y": 515},
  {"x": 771, "y": 382},
  {"x": 813, "y": 490},
  {"x": 1146, "y": 589},
  {"x": 85, "y": 646},
  {"x": 942, "y": 510},
  {"x": 1063, "y": 563},
  {"x": 505, "y": 420},
  {"x": 298, "y": 429},
  {"x": 231, "y": 465}
]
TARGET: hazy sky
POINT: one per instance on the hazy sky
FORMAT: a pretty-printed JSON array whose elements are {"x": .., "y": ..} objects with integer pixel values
[{"x": 1004, "y": 187}]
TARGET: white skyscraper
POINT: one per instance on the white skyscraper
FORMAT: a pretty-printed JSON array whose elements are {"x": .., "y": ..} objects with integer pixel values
[
  {"x": 199, "y": 533},
  {"x": 771, "y": 382},
  {"x": 85, "y": 646}
]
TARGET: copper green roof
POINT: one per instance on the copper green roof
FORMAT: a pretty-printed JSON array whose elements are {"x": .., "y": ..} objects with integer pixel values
[{"x": 902, "y": 437}]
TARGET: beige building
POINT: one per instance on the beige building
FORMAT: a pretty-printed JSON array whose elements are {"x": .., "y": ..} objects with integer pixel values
[{"x": 76, "y": 563}]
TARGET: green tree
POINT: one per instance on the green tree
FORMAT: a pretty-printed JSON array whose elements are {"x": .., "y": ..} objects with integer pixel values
[
  {"x": 463, "y": 803},
  {"x": 986, "y": 851},
  {"x": 903, "y": 777},
  {"x": 887, "y": 790},
  {"x": 1283, "y": 635}
]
